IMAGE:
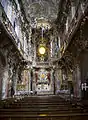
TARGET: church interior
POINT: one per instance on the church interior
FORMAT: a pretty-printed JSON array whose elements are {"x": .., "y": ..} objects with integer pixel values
[{"x": 43, "y": 59}]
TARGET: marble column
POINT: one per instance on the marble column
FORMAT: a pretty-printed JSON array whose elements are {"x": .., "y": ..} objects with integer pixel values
[
  {"x": 5, "y": 83},
  {"x": 16, "y": 78},
  {"x": 58, "y": 79},
  {"x": 31, "y": 80},
  {"x": 51, "y": 81},
  {"x": 77, "y": 81},
  {"x": 1, "y": 78}
]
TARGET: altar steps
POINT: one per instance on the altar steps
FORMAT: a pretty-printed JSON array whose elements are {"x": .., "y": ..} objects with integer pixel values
[{"x": 41, "y": 108}]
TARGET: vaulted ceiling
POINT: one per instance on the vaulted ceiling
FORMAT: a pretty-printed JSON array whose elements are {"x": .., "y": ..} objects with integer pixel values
[
  {"x": 41, "y": 15},
  {"x": 38, "y": 11}
]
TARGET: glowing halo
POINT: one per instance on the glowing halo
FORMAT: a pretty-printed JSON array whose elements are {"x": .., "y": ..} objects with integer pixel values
[{"x": 42, "y": 50}]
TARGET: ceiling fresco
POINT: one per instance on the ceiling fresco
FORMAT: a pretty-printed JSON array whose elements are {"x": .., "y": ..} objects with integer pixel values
[{"x": 40, "y": 10}]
